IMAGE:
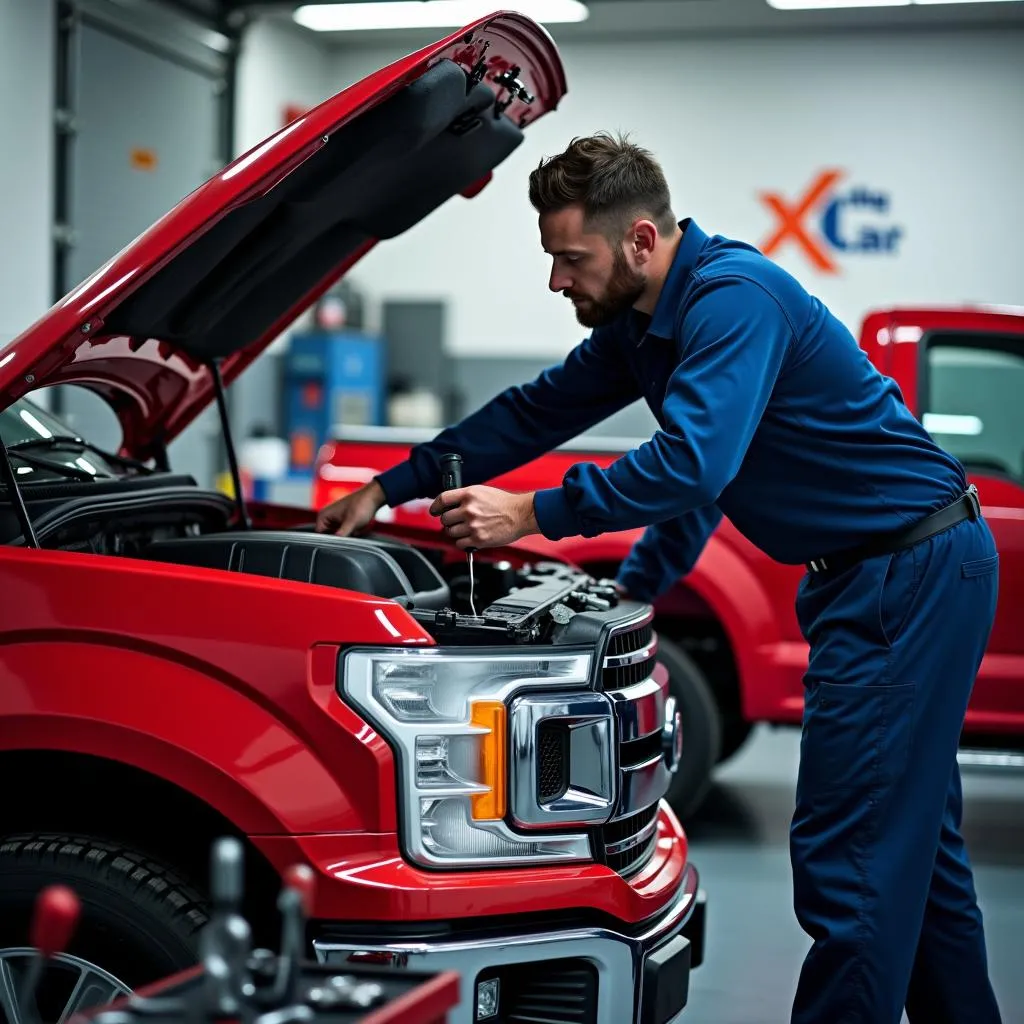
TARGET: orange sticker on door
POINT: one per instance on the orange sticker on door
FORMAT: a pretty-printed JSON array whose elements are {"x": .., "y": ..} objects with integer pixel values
[{"x": 143, "y": 159}]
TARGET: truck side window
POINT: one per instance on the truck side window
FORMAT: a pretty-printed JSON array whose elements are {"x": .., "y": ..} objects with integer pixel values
[{"x": 973, "y": 399}]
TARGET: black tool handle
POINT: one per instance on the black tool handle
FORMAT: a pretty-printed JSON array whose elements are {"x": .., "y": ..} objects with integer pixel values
[
  {"x": 451, "y": 472},
  {"x": 451, "y": 477}
]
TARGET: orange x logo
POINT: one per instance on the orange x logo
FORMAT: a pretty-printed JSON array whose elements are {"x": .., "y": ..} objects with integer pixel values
[{"x": 791, "y": 219}]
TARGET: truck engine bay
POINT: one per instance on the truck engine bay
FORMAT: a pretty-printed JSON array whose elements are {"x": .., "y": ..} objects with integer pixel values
[{"x": 166, "y": 518}]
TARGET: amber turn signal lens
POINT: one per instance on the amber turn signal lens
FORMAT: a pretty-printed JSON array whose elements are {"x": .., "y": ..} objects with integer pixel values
[{"x": 490, "y": 806}]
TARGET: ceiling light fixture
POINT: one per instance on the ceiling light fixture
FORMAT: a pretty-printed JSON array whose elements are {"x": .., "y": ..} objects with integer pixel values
[
  {"x": 822, "y": 5},
  {"x": 399, "y": 14}
]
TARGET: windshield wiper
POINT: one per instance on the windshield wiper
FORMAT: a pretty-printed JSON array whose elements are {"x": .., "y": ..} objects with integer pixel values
[
  {"x": 61, "y": 468},
  {"x": 60, "y": 440}
]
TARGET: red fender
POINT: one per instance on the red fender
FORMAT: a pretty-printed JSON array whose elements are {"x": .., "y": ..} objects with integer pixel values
[
  {"x": 727, "y": 583},
  {"x": 173, "y": 721}
]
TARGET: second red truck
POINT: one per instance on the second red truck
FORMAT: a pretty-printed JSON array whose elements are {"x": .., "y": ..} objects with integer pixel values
[{"x": 728, "y": 629}]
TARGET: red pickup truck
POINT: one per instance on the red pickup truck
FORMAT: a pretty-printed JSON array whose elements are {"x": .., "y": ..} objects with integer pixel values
[
  {"x": 482, "y": 793},
  {"x": 728, "y": 630}
]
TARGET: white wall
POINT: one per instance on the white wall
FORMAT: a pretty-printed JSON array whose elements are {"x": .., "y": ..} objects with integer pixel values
[
  {"x": 934, "y": 120},
  {"x": 278, "y": 66},
  {"x": 26, "y": 167}
]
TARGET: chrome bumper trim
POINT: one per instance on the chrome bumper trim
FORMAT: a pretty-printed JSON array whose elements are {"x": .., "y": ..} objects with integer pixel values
[{"x": 619, "y": 959}]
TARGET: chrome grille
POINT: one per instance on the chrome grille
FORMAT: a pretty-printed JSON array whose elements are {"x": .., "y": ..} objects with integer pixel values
[
  {"x": 629, "y": 842},
  {"x": 628, "y": 640},
  {"x": 641, "y": 706},
  {"x": 630, "y": 656}
]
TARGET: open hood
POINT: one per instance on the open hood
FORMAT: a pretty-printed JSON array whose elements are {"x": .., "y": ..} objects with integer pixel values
[{"x": 234, "y": 263}]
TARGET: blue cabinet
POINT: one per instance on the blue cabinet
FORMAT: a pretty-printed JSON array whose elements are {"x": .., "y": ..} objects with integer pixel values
[{"x": 330, "y": 378}]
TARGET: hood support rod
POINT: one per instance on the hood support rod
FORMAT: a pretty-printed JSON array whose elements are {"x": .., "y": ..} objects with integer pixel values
[
  {"x": 10, "y": 478},
  {"x": 225, "y": 424}
]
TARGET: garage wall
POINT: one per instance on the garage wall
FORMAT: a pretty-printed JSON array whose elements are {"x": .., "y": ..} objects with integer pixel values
[
  {"x": 930, "y": 124},
  {"x": 278, "y": 66},
  {"x": 26, "y": 167}
]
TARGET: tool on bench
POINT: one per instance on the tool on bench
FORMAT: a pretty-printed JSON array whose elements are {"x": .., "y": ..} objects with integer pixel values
[
  {"x": 234, "y": 983},
  {"x": 451, "y": 480},
  {"x": 56, "y": 913}
]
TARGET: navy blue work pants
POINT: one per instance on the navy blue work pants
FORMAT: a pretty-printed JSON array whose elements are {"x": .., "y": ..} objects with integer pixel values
[{"x": 882, "y": 882}]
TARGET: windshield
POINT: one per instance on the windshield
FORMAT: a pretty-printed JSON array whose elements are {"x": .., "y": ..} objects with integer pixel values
[{"x": 32, "y": 433}]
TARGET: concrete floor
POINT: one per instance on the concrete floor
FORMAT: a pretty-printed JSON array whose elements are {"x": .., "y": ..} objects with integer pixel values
[{"x": 739, "y": 842}]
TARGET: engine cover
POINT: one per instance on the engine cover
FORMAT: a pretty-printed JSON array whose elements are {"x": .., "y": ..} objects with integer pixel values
[{"x": 381, "y": 568}]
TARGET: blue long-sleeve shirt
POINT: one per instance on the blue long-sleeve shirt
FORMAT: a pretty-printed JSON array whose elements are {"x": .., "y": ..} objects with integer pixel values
[{"x": 769, "y": 414}]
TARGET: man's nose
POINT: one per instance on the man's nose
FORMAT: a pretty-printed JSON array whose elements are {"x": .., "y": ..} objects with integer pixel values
[{"x": 559, "y": 282}]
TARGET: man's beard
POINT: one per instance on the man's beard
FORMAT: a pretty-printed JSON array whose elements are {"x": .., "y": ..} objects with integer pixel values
[{"x": 622, "y": 291}]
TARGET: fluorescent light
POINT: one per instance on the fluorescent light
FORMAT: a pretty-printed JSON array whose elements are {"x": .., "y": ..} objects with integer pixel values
[
  {"x": 391, "y": 14},
  {"x": 809, "y": 5},
  {"x": 947, "y": 423}
]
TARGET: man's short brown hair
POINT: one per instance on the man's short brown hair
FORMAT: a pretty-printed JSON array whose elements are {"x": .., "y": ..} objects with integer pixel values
[{"x": 614, "y": 180}]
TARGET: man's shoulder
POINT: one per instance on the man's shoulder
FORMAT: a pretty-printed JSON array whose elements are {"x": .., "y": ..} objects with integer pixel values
[
  {"x": 747, "y": 271},
  {"x": 725, "y": 258}
]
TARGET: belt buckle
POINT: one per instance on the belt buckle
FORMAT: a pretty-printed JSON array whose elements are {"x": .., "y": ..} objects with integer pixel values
[{"x": 975, "y": 500}]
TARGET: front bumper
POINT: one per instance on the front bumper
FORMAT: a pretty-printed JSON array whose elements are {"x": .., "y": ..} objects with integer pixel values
[{"x": 641, "y": 976}]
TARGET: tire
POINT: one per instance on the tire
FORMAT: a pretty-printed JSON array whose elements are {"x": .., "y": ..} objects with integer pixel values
[
  {"x": 735, "y": 733},
  {"x": 139, "y": 921},
  {"x": 702, "y": 729}
]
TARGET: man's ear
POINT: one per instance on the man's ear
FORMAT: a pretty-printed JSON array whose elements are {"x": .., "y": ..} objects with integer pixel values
[{"x": 643, "y": 238}]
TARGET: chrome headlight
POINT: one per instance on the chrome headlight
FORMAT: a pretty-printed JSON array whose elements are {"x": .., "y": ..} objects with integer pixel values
[{"x": 445, "y": 714}]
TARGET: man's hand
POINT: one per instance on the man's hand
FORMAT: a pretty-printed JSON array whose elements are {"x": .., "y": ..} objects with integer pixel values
[
  {"x": 353, "y": 512},
  {"x": 485, "y": 517}
]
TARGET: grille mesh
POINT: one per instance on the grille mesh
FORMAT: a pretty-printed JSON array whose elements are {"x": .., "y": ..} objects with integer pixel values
[
  {"x": 627, "y": 675},
  {"x": 617, "y": 831},
  {"x": 630, "y": 641},
  {"x": 634, "y": 857},
  {"x": 560, "y": 992},
  {"x": 626, "y": 643},
  {"x": 552, "y": 772}
]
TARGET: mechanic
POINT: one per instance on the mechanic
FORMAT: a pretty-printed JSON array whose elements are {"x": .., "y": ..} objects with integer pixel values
[{"x": 772, "y": 415}]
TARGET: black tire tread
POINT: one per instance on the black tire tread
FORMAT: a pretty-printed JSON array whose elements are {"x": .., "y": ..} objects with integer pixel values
[
  {"x": 701, "y": 718},
  {"x": 154, "y": 885}
]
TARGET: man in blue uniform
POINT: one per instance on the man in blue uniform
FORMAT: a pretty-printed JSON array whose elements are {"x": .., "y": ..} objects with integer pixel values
[{"x": 770, "y": 414}]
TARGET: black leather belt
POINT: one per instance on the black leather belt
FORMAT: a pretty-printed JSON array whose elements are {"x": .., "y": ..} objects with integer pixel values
[{"x": 967, "y": 506}]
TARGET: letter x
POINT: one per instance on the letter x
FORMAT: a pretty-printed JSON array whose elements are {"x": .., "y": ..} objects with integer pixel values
[{"x": 791, "y": 220}]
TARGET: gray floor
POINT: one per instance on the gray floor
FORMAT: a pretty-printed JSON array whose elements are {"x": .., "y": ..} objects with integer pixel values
[{"x": 739, "y": 842}]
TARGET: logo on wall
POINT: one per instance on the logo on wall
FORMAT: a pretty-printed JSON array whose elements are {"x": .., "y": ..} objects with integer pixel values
[{"x": 829, "y": 221}]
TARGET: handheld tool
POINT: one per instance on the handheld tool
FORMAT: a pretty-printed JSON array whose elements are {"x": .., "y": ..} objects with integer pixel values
[{"x": 451, "y": 480}]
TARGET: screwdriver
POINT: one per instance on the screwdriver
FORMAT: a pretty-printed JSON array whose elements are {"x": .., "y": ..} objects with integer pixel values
[{"x": 451, "y": 480}]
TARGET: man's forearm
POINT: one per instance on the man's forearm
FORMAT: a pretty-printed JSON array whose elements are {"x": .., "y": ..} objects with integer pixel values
[{"x": 522, "y": 422}]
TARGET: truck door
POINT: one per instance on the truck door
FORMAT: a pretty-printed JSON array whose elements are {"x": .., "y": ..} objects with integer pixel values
[{"x": 970, "y": 397}]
